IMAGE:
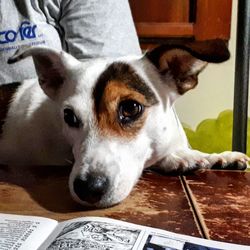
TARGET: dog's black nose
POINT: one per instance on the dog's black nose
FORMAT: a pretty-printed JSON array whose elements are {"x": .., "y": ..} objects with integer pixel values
[{"x": 92, "y": 188}]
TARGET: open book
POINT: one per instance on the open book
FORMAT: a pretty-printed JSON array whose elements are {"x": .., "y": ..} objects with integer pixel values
[{"x": 30, "y": 233}]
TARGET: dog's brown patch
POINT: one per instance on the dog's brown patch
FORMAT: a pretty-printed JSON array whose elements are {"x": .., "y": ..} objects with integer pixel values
[
  {"x": 183, "y": 67},
  {"x": 119, "y": 83},
  {"x": 108, "y": 120},
  {"x": 6, "y": 94},
  {"x": 184, "y": 61}
]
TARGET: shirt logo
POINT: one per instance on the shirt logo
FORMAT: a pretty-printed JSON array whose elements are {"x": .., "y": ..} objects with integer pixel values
[{"x": 24, "y": 32}]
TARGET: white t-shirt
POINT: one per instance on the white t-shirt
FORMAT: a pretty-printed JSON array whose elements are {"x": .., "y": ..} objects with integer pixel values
[{"x": 84, "y": 28}]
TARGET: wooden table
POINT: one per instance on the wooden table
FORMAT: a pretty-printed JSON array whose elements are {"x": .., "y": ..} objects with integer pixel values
[{"x": 211, "y": 204}]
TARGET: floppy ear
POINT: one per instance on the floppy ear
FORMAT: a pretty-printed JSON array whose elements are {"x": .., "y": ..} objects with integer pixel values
[
  {"x": 52, "y": 66},
  {"x": 183, "y": 62}
]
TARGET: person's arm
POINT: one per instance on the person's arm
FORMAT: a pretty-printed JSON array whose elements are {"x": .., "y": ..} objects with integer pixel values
[{"x": 94, "y": 28}]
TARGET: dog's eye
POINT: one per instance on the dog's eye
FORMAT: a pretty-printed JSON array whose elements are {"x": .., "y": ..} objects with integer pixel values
[
  {"x": 71, "y": 119},
  {"x": 129, "y": 111}
]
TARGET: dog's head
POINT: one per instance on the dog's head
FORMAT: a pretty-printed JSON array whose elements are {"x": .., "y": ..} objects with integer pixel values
[{"x": 114, "y": 111}]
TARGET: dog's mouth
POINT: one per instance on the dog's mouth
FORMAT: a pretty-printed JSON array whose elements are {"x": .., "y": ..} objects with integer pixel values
[{"x": 99, "y": 181}]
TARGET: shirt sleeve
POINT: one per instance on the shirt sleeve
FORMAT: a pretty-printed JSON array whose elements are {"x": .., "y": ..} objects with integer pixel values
[{"x": 94, "y": 28}]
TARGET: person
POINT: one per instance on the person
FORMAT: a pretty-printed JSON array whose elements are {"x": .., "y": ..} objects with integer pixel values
[{"x": 83, "y": 28}]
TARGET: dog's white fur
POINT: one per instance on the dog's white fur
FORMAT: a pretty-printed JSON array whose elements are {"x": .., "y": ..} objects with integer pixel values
[{"x": 35, "y": 133}]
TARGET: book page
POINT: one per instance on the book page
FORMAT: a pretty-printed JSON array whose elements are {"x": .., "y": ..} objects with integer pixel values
[
  {"x": 94, "y": 233},
  {"x": 102, "y": 233},
  {"x": 161, "y": 240},
  {"x": 24, "y": 232}
]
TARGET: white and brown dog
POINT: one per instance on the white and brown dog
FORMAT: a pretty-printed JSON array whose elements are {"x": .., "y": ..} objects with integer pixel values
[{"x": 111, "y": 117}]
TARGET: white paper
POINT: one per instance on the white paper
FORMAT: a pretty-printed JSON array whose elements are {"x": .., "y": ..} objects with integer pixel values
[
  {"x": 24, "y": 232},
  {"x": 102, "y": 233},
  {"x": 93, "y": 233}
]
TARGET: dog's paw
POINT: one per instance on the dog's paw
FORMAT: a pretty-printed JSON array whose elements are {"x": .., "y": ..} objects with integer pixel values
[
  {"x": 190, "y": 160},
  {"x": 228, "y": 160},
  {"x": 183, "y": 161}
]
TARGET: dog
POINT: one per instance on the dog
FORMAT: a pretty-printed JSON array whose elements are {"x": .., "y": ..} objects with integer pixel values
[{"x": 109, "y": 117}]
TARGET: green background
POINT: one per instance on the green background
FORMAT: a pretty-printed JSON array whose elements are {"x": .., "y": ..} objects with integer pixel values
[{"x": 214, "y": 135}]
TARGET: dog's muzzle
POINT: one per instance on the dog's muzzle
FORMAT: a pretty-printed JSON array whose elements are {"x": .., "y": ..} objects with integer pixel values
[{"x": 91, "y": 188}]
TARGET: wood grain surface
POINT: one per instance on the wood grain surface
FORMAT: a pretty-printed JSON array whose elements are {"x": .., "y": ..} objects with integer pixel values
[
  {"x": 222, "y": 202},
  {"x": 157, "y": 200}
]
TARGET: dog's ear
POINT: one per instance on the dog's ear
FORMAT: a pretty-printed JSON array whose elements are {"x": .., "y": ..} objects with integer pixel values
[
  {"x": 184, "y": 61},
  {"x": 52, "y": 66}
]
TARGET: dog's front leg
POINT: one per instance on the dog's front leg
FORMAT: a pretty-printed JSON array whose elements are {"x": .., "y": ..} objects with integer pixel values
[{"x": 186, "y": 160}]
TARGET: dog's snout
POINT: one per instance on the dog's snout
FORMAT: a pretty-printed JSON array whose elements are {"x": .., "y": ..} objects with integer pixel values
[{"x": 92, "y": 188}]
